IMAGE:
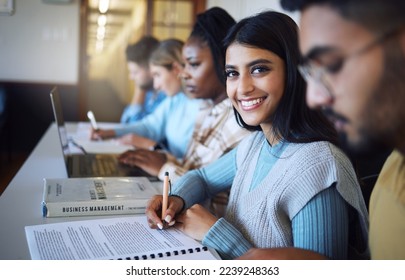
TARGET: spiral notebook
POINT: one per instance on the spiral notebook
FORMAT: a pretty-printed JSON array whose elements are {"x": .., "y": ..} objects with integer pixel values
[{"x": 122, "y": 238}]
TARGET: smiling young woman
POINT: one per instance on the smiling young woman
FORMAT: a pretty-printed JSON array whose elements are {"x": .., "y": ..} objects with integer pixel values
[
  {"x": 290, "y": 187},
  {"x": 255, "y": 83}
]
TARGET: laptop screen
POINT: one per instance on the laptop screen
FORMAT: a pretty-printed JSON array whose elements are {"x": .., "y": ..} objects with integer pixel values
[{"x": 60, "y": 122}]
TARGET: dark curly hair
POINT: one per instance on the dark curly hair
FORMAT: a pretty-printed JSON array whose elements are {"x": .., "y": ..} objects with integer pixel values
[{"x": 211, "y": 27}]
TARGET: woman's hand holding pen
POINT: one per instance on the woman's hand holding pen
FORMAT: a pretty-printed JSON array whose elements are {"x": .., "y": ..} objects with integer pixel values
[
  {"x": 101, "y": 134},
  {"x": 195, "y": 222},
  {"x": 154, "y": 211}
]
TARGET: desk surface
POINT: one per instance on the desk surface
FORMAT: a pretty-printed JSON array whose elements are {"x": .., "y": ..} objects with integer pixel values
[{"x": 20, "y": 203}]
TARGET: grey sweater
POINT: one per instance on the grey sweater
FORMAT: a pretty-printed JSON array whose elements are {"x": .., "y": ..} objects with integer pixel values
[{"x": 264, "y": 214}]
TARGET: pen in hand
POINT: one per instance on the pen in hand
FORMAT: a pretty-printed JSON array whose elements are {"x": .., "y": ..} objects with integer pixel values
[
  {"x": 166, "y": 184},
  {"x": 92, "y": 119},
  {"x": 93, "y": 122}
]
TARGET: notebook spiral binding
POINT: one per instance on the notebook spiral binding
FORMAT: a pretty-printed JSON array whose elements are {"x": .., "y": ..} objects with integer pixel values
[{"x": 167, "y": 254}]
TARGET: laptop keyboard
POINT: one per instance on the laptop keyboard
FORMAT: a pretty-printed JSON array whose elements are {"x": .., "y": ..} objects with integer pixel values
[{"x": 100, "y": 166}]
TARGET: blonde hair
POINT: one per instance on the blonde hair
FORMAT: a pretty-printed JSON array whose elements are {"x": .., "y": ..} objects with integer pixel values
[{"x": 168, "y": 52}]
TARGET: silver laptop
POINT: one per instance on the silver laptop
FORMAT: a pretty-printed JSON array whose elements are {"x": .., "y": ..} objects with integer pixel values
[{"x": 88, "y": 164}]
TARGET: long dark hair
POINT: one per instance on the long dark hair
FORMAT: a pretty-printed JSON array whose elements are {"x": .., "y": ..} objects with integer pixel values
[
  {"x": 211, "y": 27},
  {"x": 293, "y": 120}
]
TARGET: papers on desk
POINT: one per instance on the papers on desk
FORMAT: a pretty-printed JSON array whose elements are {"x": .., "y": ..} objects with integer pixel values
[
  {"x": 103, "y": 147},
  {"x": 110, "y": 146},
  {"x": 117, "y": 238}
]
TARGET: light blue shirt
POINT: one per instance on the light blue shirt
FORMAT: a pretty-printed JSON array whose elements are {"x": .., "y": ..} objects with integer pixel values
[
  {"x": 172, "y": 124},
  {"x": 136, "y": 112}
]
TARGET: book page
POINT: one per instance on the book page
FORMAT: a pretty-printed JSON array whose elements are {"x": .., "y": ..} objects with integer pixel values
[{"x": 115, "y": 238}]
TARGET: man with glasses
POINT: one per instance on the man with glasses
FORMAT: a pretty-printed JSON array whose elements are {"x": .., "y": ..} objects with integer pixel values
[{"x": 354, "y": 62}]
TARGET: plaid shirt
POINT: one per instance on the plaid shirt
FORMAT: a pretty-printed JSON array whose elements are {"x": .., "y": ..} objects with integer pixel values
[{"x": 215, "y": 133}]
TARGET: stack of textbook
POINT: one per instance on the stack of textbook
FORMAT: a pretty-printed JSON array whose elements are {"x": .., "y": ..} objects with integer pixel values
[
  {"x": 126, "y": 237},
  {"x": 96, "y": 196}
]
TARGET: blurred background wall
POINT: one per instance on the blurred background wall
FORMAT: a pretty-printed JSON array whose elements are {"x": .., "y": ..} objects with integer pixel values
[{"x": 44, "y": 43}]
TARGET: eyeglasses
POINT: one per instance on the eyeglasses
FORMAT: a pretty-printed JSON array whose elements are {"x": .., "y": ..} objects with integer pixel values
[{"x": 311, "y": 70}]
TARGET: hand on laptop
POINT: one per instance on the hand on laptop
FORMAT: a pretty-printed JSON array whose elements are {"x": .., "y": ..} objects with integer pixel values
[{"x": 150, "y": 161}]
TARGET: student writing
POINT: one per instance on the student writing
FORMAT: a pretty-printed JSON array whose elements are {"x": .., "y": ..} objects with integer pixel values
[
  {"x": 291, "y": 188},
  {"x": 172, "y": 123},
  {"x": 215, "y": 130}
]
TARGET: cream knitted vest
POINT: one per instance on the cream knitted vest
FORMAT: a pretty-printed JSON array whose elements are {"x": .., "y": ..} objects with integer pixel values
[{"x": 264, "y": 214}]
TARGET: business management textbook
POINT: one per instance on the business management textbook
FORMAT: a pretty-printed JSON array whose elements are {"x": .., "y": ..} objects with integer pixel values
[{"x": 96, "y": 196}]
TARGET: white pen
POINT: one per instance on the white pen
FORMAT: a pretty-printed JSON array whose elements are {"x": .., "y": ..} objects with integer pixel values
[
  {"x": 165, "y": 194},
  {"x": 92, "y": 119}
]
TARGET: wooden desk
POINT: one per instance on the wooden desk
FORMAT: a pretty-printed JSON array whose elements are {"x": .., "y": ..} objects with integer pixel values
[{"x": 20, "y": 203}]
